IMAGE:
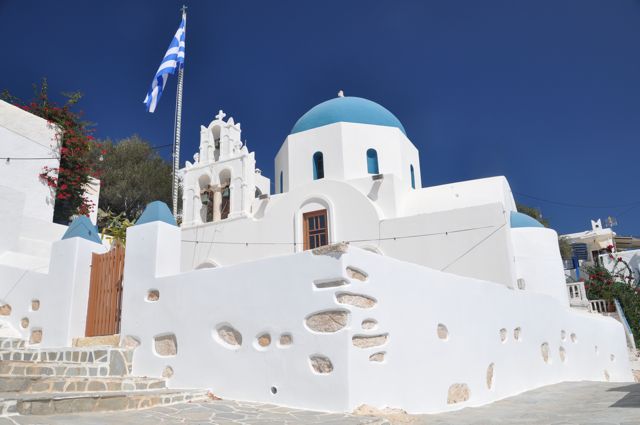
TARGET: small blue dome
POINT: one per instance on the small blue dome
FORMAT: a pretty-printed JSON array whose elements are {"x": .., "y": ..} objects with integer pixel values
[
  {"x": 523, "y": 220},
  {"x": 347, "y": 109}
]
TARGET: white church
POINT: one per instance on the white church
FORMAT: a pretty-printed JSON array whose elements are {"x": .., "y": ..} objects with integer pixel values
[{"x": 350, "y": 285}]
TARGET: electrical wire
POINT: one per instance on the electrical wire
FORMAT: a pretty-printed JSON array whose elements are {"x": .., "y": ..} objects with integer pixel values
[
  {"x": 24, "y": 158},
  {"x": 568, "y": 204},
  {"x": 389, "y": 238}
]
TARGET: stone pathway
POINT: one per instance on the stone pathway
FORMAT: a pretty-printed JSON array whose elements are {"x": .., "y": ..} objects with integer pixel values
[{"x": 578, "y": 403}]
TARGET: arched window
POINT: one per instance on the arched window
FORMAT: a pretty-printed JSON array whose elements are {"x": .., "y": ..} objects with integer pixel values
[
  {"x": 372, "y": 162},
  {"x": 318, "y": 166},
  {"x": 281, "y": 180},
  {"x": 413, "y": 178}
]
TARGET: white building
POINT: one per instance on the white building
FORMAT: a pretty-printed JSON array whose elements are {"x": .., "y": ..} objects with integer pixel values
[{"x": 442, "y": 298}]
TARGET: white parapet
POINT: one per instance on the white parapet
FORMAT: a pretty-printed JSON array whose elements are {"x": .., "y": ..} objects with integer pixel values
[{"x": 339, "y": 327}]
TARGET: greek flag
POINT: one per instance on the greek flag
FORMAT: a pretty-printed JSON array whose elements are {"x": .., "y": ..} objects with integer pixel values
[{"x": 172, "y": 59}]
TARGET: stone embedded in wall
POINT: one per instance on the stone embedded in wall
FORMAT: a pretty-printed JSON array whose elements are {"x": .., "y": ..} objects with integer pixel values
[
  {"x": 328, "y": 321},
  {"x": 443, "y": 332},
  {"x": 24, "y": 323},
  {"x": 377, "y": 357},
  {"x": 612, "y": 357},
  {"x": 503, "y": 335},
  {"x": 490, "y": 375},
  {"x": 335, "y": 250},
  {"x": 356, "y": 300},
  {"x": 563, "y": 335},
  {"x": 606, "y": 375},
  {"x": 366, "y": 341},
  {"x": 321, "y": 364},
  {"x": 369, "y": 324},
  {"x": 563, "y": 354},
  {"x": 574, "y": 338},
  {"x": 131, "y": 342},
  {"x": 544, "y": 350},
  {"x": 516, "y": 333},
  {"x": 229, "y": 335},
  {"x": 458, "y": 393},
  {"x": 334, "y": 283},
  {"x": 5, "y": 310},
  {"x": 167, "y": 372},
  {"x": 166, "y": 345},
  {"x": 153, "y": 295},
  {"x": 286, "y": 339},
  {"x": 356, "y": 274},
  {"x": 264, "y": 340},
  {"x": 36, "y": 336},
  {"x": 35, "y": 305}
]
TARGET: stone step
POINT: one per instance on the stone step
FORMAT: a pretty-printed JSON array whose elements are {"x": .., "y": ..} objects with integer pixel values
[
  {"x": 35, "y": 384},
  {"x": 13, "y": 368},
  {"x": 64, "y": 355},
  {"x": 12, "y": 343},
  {"x": 65, "y": 403}
]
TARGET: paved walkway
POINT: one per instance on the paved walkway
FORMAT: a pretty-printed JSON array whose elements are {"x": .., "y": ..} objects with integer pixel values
[{"x": 581, "y": 403}]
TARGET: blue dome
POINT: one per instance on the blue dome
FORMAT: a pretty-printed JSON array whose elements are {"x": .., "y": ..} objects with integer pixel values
[
  {"x": 522, "y": 220},
  {"x": 346, "y": 109}
]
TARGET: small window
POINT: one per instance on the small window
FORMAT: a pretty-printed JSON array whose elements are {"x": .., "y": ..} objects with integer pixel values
[
  {"x": 372, "y": 162},
  {"x": 316, "y": 230},
  {"x": 413, "y": 178},
  {"x": 281, "y": 180},
  {"x": 318, "y": 166}
]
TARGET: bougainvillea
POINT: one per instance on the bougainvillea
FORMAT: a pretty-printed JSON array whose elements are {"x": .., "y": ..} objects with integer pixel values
[
  {"x": 74, "y": 139},
  {"x": 600, "y": 284}
]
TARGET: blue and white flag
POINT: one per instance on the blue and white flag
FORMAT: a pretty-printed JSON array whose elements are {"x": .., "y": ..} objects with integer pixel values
[{"x": 172, "y": 59}]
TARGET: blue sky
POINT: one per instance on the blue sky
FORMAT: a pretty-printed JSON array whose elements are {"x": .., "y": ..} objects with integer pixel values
[{"x": 545, "y": 92}]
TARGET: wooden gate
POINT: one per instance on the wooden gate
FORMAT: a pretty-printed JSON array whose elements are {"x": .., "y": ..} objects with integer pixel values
[{"x": 105, "y": 293}]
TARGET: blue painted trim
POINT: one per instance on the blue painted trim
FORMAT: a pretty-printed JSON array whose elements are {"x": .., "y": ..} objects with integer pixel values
[
  {"x": 157, "y": 211},
  {"x": 347, "y": 109},
  {"x": 82, "y": 227},
  {"x": 318, "y": 166},
  {"x": 413, "y": 177},
  {"x": 372, "y": 162},
  {"x": 523, "y": 220}
]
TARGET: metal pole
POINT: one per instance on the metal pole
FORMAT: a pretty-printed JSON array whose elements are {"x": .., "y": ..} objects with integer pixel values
[{"x": 176, "y": 132}]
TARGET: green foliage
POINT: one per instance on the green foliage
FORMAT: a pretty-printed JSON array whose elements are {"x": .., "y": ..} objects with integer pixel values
[
  {"x": 601, "y": 285},
  {"x": 565, "y": 249},
  {"x": 114, "y": 225},
  {"x": 132, "y": 175},
  {"x": 532, "y": 212}
]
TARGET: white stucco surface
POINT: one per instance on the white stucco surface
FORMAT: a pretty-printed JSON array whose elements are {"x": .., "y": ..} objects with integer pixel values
[
  {"x": 25, "y": 135},
  {"x": 276, "y": 295}
]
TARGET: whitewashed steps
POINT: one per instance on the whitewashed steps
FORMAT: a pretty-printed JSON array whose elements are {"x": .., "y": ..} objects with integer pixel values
[
  {"x": 46, "y": 384},
  {"x": 37, "y": 381},
  {"x": 65, "y": 403}
]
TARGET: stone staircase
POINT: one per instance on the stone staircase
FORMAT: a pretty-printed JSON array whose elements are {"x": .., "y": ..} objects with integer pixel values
[{"x": 43, "y": 381}]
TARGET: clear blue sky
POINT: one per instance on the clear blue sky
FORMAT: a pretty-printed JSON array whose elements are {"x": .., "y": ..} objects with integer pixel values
[{"x": 545, "y": 92}]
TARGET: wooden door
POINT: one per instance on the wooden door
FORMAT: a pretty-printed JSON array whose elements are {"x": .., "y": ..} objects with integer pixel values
[
  {"x": 105, "y": 293},
  {"x": 316, "y": 229}
]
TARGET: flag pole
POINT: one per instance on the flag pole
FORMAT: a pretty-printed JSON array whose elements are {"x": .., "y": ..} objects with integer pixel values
[{"x": 176, "y": 130}]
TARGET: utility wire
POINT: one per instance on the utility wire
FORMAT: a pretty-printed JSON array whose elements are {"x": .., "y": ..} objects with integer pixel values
[
  {"x": 24, "y": 158},
  {"x": 473, "y": 247},
  {"x": 347, "y": 241},
  {"x": 568, "y": 204}
]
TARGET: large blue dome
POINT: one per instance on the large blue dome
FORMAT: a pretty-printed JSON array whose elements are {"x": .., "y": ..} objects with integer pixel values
[{"x": 346, "y": 109}]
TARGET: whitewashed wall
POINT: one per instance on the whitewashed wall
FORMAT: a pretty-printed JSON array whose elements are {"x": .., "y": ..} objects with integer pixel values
[
  {"x": 60, "y": 294},
  {"x": 24, "y": 135},
  {"x": 353, "y": 215},
  {"x": 407, "y": 301}
]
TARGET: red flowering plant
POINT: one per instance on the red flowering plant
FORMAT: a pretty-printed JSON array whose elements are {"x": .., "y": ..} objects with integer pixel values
[
  {"x": 603, "y": 285},
  {"x": 74, "y": 139}
]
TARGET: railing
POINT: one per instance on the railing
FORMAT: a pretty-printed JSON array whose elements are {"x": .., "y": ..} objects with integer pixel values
[
  {"x": 630, "y": 341},
  {"x": 599, "y": 306},
  {"x": 576, "y": 291}
]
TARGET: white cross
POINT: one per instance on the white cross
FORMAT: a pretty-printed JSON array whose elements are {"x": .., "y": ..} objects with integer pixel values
[{"x": 220, "y": 115}]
